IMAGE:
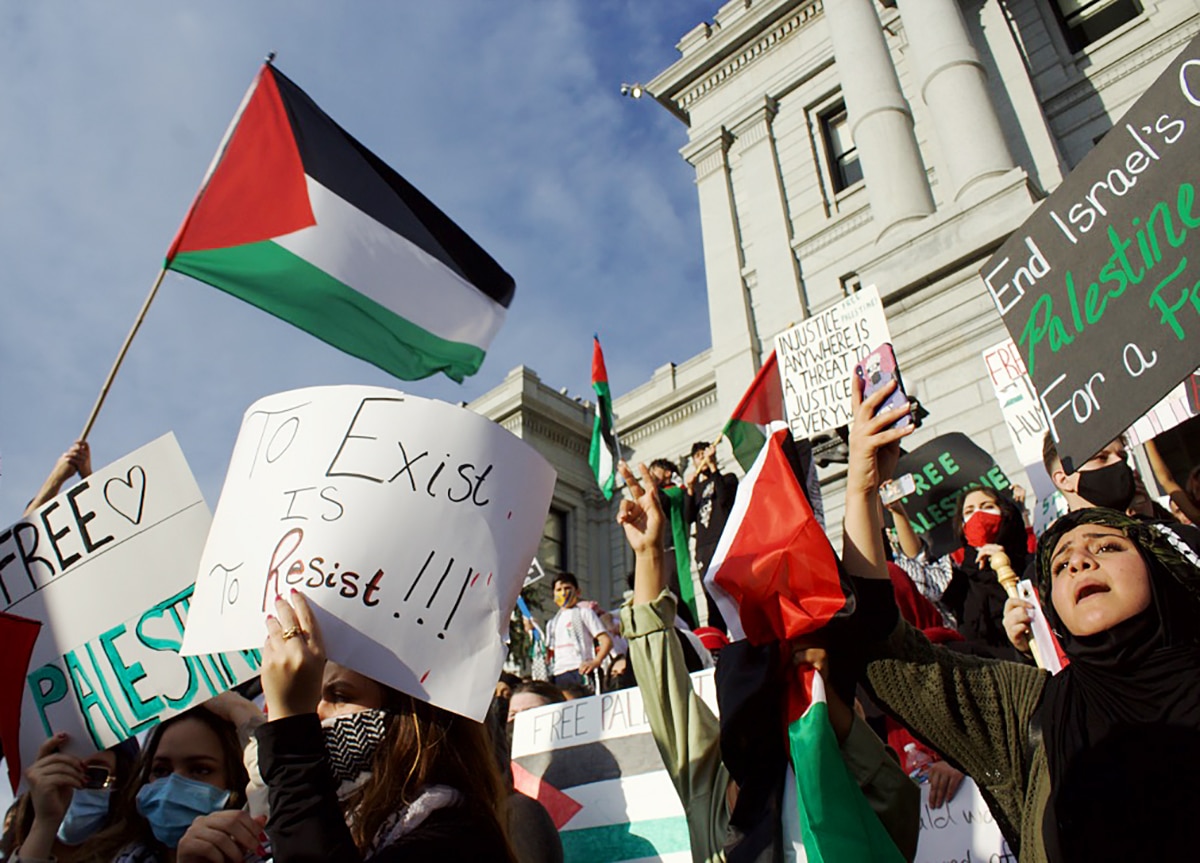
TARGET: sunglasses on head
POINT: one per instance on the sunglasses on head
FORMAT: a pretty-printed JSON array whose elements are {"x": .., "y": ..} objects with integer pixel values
[{"x": 97, "y": 776}]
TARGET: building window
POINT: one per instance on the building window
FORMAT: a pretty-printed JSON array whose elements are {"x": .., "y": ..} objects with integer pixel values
[
  {"x": 839, "y": 148},
  {"x": 552, "y": 550},
  {"x": 1085, "y": 21}
]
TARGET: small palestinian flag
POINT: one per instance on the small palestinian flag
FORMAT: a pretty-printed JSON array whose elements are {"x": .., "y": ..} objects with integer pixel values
[
  {"x": 298, "y": 218},
  {"x": 673, "y": 500},
  {"x": 836, "y": 821},
  {"x": 603, "y": 453},
  {"x": 761, "y": 405}
]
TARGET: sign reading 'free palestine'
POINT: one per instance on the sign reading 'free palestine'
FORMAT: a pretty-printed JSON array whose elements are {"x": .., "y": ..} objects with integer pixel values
[{"x": 1100, "y": 288}]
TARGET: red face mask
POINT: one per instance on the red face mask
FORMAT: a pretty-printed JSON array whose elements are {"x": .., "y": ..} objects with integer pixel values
[{"x": 981, "y": 528}]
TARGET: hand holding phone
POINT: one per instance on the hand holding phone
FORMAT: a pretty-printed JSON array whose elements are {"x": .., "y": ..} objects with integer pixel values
[{"x": 875, "y": 371}]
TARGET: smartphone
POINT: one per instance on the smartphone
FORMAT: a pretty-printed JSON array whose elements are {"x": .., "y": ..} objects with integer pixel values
[
  {"x": 895, "y": 489},
  {"x": 875, "y": 371}
]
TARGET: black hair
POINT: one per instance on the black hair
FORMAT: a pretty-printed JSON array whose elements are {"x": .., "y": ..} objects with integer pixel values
[{"x": 567, "y": 578}]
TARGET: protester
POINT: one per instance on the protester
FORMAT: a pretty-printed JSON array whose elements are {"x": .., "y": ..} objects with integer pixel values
[
  {"x": 1105, "y": 479},
  {"x": 189, "y": 775},
  {"x": 687, "y": 733},
  {"x": 529, "y": 694},
  {"x": 1185, "y": 501},
  {"x": 531, "y": 831},
  {"x": 1119, "y": 727},
  {"x": 987, "y": 523},
  {"x": 710, "y": 500},
  {"x": 417, "y": 783},
  {"x": 70, "y": 800},
  {"x": 573, "y": 633}
]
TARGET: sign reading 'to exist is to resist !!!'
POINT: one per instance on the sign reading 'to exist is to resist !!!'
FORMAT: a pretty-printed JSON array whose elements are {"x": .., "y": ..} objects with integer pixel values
[
  {"x": 409, "y": 524},
  {"x": 1100, "y": 288}
]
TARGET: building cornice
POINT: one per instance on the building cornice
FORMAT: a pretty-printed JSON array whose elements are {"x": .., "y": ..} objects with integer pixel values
[
  {"x": 728, "y": 50},
  {"x": 636, "y": 431}
]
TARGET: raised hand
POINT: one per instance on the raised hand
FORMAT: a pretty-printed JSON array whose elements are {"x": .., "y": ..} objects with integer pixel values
[
  {"x": 293, "y": 659},
  {"x": 641, "y": 514},
  {"x": 1017, "y": 620},
  {"x": 874, "y": 447}
]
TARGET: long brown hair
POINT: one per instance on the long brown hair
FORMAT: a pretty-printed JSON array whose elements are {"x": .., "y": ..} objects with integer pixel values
[
  {"x": 128, "y": 825},
  {"x": 426, "y": 745}
]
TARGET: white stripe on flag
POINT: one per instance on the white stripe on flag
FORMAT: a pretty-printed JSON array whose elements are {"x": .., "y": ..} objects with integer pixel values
[
  {"x": 651, "y": 794},
  {"x": 374, "y": 260}
]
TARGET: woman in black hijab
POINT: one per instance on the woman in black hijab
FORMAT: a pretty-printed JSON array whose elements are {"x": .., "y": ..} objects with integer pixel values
[
  {"x": 986, "y": 522},
  {"x": 1121, "y": 721}
]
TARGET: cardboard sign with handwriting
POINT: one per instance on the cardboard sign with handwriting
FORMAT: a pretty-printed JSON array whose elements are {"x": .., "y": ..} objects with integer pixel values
[
  {"x": 106, "y": 569},
  {"x": 409, "y": 524}
]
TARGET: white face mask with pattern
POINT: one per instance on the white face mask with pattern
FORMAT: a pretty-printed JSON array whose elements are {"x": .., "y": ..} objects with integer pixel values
[{"x": 350, "y": 744}]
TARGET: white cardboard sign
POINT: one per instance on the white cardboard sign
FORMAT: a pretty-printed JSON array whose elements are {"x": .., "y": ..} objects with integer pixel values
[
  {"x": 817, "y": 359},
  {"x": 409, "y": 523},
  {"x": 1022, "y": 411},
  {"x": 107, "y": 569},
  {"x": 961, "y": 830}
]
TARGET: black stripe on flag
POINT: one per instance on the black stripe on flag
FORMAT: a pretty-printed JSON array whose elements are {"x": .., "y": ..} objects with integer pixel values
[
  {"x": 595, "y": 762},
  {"x": 337, "y": 161}
]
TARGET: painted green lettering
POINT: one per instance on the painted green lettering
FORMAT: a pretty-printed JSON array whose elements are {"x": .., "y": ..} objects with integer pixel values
[
  {"x": 948, "y": 464},
  {"x": 49, "y": 686},
  {"x": 145, "y": 712}
]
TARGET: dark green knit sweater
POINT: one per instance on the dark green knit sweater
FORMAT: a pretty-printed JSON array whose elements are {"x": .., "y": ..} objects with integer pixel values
[{"x": 977, "y": 713}]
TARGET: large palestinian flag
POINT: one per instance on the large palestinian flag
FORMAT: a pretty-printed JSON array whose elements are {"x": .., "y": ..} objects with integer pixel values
[{"x": 298, "y": 218}]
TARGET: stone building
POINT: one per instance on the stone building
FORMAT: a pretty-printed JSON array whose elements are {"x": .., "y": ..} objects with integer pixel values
[{"x": 841, "y": 143}]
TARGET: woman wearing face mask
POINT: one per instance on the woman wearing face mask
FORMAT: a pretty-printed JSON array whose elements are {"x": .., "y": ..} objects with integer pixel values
[
  {"x": 70, "y": 800},
  {"x": 190, "y": 769},
  {"x": 987, "y": 523},
  {"x": 1094, "y": 763},
  {"x": 357, "y": 770}
]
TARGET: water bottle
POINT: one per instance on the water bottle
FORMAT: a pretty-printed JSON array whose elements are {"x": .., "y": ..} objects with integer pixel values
[{"x": 916, "y": 762}]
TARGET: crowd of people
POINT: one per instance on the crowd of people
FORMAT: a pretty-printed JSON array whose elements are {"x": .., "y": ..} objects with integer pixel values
[{"x": 932, "y": 681}]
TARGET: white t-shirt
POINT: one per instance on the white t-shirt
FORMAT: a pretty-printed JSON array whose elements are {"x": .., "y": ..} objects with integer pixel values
[{"x": 571, "y": 629}]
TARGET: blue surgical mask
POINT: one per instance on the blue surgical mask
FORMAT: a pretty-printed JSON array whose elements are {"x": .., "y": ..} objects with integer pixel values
[
  {"x": 87, "y": 814},
  {"x": 172, "y": 803}
]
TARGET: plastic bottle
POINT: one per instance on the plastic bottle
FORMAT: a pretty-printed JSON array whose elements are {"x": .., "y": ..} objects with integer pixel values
[{"x": 916, "y": 762}]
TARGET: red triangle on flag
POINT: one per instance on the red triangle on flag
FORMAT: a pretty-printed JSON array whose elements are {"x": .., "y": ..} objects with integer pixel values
[
  {"x": 17, "y": 637},
  {"x": 257, "y": 189},
  {"x": 561, "y": 807},
  {"x": 762, "y": 402},
  {"x": 774, "y": 567}
]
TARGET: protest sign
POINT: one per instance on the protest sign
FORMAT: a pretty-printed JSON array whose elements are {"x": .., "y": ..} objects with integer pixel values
[
  {"x": 1096, "y": 288},
  {"x": 941, "y": 469},
  {"x": 409, "y": 523},
  {"x": 1178, "y": 407},
  {"x": 106, "y": 569},
  {"x": 1022, "y": 411},
  {"x": 960, "y": 831},
  {"x": 594, "y": 764},
  {"x": 817, "y": 358}
]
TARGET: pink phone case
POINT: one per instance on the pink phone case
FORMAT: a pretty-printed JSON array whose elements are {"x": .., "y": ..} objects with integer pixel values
[{"x": 875, "y": 371}]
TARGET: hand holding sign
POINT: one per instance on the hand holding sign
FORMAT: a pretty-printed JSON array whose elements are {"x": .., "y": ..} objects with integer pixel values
[{"x": 293, "y": 659}]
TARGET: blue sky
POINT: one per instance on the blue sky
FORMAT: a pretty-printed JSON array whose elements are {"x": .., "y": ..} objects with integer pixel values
[{"x": 507, "y": 115}]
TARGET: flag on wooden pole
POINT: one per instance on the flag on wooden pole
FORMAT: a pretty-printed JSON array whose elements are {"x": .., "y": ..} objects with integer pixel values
[
  {"x": 602, "y": 455},
  {"x": 297, "y": 217}
]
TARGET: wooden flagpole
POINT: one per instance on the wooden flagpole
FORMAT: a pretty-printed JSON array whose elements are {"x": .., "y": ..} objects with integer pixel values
[{"x": 112, "y": 373}]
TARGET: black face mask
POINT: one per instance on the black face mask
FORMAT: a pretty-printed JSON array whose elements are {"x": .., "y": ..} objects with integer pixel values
[{"x": 1111, "y": 486}]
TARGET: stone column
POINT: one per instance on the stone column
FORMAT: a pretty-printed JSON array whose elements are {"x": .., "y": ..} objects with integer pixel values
[
  {"x": 954, "y": 86},
  {"x": 880, "y": 119},
  {"x": 767, "y": 226},
  {"x": 734, "y": 339}
]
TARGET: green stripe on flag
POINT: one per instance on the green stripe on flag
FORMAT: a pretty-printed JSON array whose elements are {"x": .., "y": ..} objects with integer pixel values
[
  {"x": 836, "y": 821},
  {"x": 615, "y": 842},
  {"x": 601, "y": 454},
  {"x": 279, "y": 282},
  {"x": 747, "y": 441},
  {"x": 683, "y": 557}
]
